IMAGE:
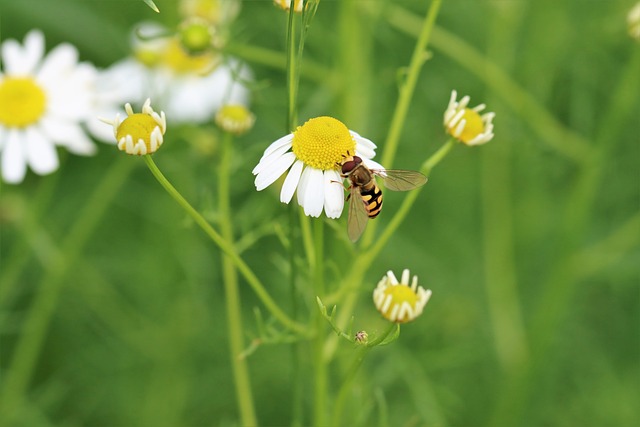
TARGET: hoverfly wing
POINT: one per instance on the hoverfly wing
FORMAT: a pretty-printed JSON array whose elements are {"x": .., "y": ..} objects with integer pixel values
[
  {"x": 401, "y": 180},
  {"x": 358, "y": 215}
]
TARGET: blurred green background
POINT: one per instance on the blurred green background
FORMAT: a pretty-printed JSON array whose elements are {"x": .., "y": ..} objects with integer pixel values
[{"x": 529, "y": 244}]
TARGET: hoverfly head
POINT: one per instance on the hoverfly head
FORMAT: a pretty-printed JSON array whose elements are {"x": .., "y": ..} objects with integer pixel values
[{"x": 349, "y": 163}]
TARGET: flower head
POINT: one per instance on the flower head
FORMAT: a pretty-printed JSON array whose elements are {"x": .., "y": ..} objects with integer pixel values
[
  {"x": 44, "y": 101},
  {"x": 286, "y": 4},
  {"x": 139, "y": 133},
  {"x": 215, "y": 11},
  {"x": 197, "y": 36},
  {"x": 312, "y": 155},
  {"x": 466, "y": 124},
  {"x": 633, "y": 22},
  {"x": 236, "y": 119},
  {"x": 400, "y": 302}
]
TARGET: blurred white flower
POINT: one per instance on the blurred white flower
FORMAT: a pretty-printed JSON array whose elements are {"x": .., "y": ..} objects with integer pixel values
[
  {"x": 189, "y": 88},
  {"x": 633, "y": 22},
  {"x": 44, "y": 100}
]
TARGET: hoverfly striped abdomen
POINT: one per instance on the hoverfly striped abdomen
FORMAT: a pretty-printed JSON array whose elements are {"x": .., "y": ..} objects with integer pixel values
[{"x": 372, "y": 198}]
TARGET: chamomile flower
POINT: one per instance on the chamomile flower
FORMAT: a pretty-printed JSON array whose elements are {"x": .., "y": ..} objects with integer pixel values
[
  {"x": 400, "y": 302},
  {"x": 44, "y": 100},
  {"x": 139, "y": 133},
  {"x": 466, "y": 124},
  {"x": 218, "y": 12},
  {"x": 286, "y": 4},
  {"x": 235, "y": 119},
  {"x": 189, "y": 87},
  {"x": 312, "y": 155}
]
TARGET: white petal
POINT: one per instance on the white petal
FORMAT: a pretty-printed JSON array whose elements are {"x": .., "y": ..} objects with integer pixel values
[
  {"x": 291, "y": 182},
  {"x": 372, "y": 164},
  {"x": 267, "y": 160},
  {"x": 62, "y": 59},
  {"x": 333, "y": 194},
  {"x": 18, "y": 60},
  {"x": 14, "y": 165},
  {"x": 41, "y": 153},
  {"x": 69, "y": 135},
  {"x": 286, "y": 140},
  {"x": 302, "y": 185},
  {"x": 275, "y": 170},
  {"x": 362, "y": 140},
  {"x": 314, "y": 193}
]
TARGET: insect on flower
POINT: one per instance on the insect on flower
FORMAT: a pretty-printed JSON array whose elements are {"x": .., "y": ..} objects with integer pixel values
[{"x": 365, "y": 197}]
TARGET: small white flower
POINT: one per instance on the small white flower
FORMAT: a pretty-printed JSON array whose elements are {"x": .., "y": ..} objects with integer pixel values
[
  {"x": 44, "y": 100},
  {"x": 189, "y": 88},
  {"x": 466, "y": 124},
  {"x": 312, "y": 155},
  {"x": 139, "y": 133},
  {"x": 400, "y": 302}
]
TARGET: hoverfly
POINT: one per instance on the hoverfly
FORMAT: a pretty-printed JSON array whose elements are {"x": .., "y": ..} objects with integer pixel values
[{"x": 365, "y": 197}]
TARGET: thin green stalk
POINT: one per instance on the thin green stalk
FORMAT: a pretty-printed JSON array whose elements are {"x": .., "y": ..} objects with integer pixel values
[
  {"x": 230, "y": 277},
  {"x": 227, "y": 248},
  {"x": 361, "y": 352},
  {"x": 364, "y": 260},
  {"x": 320, "y": 364},
  {"x": 404, "y": 99},
  {"x": 42, "y": 308},
  {"x": 552, "y": 132},
  {"x": 292, "y": 72}
]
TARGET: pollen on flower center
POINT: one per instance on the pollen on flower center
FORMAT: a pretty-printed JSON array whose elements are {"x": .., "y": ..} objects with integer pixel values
[
  {"x": 139, "y": 126},
  {"x": 322, "y": 143},
  {"x": 22, "y": 102},
  {"x": 473, "y": 126}
]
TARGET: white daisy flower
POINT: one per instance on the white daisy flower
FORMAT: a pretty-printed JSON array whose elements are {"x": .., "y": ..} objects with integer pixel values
[
  {"x": 466, "y": 124},
  {"x": 312, "y": 155},
  {"x": 400, "y": 302},
  {"x": 43, "y": 102},
  {"x": 189, "y": 88}
]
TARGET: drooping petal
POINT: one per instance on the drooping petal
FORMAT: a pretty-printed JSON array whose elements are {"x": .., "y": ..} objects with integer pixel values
[
  {"x": 14, "y": 165},
  {"x": 275, "y": 170},
  {"x": 314, "y": 193},
  {"x": 333, "y": 194},
  {"x": 291, "y": 182},
  {"x": 363, "y": 145},
  {"x": 280, "y": 142},
  {"x": 302, "y": 185},
  {"x": 41, "y": 153}
]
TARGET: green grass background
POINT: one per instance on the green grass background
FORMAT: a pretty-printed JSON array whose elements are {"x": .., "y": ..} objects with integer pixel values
[{"x": 529, "y": 245}]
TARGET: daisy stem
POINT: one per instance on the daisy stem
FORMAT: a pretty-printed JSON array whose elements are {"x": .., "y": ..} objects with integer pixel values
[
  {"x": 366, "y": 258},
  {"x": 361, "y": 352},
  {"x": 320, "y": 368},
  {"x": 232, "y": 300},
  {"x": 292, "y": 73},
  {"x": 404, "y": 100},
  {"x": 42, "y": 308},
  {"x": 227, "y": 248}
]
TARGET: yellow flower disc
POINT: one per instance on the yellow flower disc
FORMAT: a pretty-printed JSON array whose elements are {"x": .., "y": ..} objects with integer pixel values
[
  {"x": 399, "y": 295},
  {"x": 181, "y": 62},
  {"x": 322, "y": 143},
  {"x": 139, "y": 126},
  {"x": 473, "y": 127},
  {"x": 22, "y": 102}
]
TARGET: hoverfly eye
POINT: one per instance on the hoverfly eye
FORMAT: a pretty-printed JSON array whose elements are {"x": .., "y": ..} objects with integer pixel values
[
  {"x": 356, "y": 160},
  {"x": 348, "y": 166}
]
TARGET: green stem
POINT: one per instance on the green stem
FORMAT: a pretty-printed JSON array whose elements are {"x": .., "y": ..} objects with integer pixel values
[
  {"x": 292, "y": 72},
  {"x": 320, "y": 365},
  {"x": 361, "y": 352},
  {"x": 227, "y": 248},
  {"x": 43, "y": 306},
  {"x": 404, "y": 100},
  {"x": 230, "y": 276},
  {"x": 366, "y": 258}
]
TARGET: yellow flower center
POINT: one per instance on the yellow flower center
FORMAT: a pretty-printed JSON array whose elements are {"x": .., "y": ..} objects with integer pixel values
[
  {"x": 322, "y": 143},
  {"x": 139, "y": 126},
  {"x": 235, "y": 119},
  {"x": 473, "y": 127},
  {"x": 196, "y": 36},
  {"x": 181, "y": 62},
  {"x": 22, "y": 102},
  {"x": 399, "y": 295}
]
